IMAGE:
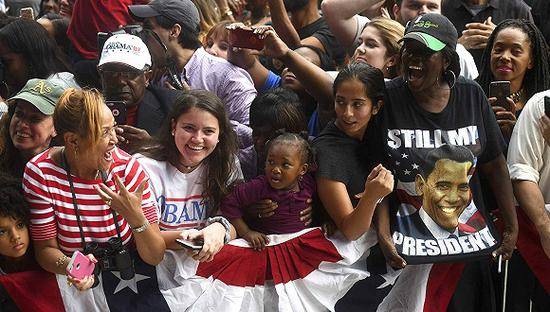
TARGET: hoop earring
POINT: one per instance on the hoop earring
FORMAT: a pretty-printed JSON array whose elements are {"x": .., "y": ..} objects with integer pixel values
[{"x": 451, "y": 75}]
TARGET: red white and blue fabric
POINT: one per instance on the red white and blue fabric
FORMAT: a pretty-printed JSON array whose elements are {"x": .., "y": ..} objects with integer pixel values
[{"x": 302, "y": 271}]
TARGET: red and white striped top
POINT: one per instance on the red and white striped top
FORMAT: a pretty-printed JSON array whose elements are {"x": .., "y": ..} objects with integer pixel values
[{"x": 48, "y": 192}]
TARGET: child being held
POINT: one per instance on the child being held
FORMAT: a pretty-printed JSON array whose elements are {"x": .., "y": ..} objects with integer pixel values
[
  {"x": 15, "y": 254},
  {"x": 287, "y": 182}
]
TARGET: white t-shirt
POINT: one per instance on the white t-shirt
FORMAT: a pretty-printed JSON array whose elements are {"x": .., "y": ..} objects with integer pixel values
[
  {"x": 179, "y": 195},
  {"x": 528, "y": 152},
  {"x": 468, "y": 68}
]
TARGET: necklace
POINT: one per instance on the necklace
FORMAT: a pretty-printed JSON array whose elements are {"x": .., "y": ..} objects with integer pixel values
[
  {"x": 518, "y": 95},
  {"x": 188, "y": 169}
]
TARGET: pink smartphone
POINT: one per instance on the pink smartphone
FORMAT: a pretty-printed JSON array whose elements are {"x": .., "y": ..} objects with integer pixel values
[{"x": 80, "y": 266}]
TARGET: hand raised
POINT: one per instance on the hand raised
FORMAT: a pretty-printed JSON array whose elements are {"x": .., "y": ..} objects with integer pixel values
[{"x": 124, "y": 202}]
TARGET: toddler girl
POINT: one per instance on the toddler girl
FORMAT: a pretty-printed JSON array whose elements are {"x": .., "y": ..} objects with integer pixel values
[{"x": 287, "y": 181}]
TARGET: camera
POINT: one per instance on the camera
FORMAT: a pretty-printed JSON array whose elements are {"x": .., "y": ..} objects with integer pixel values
[{"x": 113, "y": 257}]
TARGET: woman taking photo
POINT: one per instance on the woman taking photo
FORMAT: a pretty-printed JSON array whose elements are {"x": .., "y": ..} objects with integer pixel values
[
  {"x": 191, "y": 167},
  {"x": 88, "y": 179},
  {"x": 430, "y": 112},
  {"x": 517, "y": 52}
]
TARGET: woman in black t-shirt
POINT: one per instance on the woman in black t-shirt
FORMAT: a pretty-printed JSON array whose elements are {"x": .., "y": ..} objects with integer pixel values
[
  {"x": 428, "y": 110},
  {"x": 343, "y": 173}
]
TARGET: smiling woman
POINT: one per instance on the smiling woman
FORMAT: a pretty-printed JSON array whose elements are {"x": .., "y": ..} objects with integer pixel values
[
  {"x": 28, "y": 127},
  {"x": 516, "y": 51},
  {"x": 106, "y": 189},
  {"x": 428, "y": 109},
  {"x": 191, "y": 165}
]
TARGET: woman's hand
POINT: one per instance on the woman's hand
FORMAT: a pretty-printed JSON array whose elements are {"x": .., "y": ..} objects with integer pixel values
[
  {"x": 85, "y": 283},
  {"x": 307, "y": 213},
  {"x": 127, "y": 204},
  {"x": 509, "y": 239},
  {"x": 545, "y": 128},
  {"x": 256, "y": 239},
  {"x": 242, "y": 58},
  {"x": 262, "y": 209},
  {"x": 390, "y": 253},
  {"x": 506, "y": 118},
  {"x": 213, "y": 237},
  {"x": 329, "y": 228},
  {"x": 379, "y": 183},
  {"x": 274, "y": 47}
]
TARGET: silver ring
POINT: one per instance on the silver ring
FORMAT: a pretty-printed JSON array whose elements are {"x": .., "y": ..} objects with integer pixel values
[{"x": 259, "y": 215}]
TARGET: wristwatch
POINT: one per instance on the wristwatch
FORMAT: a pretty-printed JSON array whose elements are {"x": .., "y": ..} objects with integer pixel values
[
  {"x": 142, "y": 228},
  {"x": 225, "y": 224}
]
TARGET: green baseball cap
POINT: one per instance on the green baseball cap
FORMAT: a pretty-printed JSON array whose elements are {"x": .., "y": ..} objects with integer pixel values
[
  {"x": 433, "y": 30},
  {"x": 42, "y": 93}
]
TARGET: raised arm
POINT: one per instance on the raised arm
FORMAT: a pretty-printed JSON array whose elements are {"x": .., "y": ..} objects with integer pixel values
[
  {"x": 315, "y": 80},
  {"x": 340, "y": 17},
  {"x": 149, "y": 243},
  {"x": 282, "y": 24},
  {"x": 245, "y": 60}
]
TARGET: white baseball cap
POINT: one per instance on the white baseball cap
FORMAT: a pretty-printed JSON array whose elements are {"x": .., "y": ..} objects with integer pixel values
[{"x": 125, "y": 49}]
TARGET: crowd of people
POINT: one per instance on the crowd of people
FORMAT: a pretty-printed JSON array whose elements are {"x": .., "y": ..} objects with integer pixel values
[{"x": 135, "y": 129}]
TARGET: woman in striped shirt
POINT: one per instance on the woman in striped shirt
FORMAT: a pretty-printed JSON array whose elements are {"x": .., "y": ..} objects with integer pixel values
[{"x": 77, "y": 191}]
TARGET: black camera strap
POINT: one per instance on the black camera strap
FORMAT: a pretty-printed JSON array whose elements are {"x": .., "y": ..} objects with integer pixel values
[{"x": 65, "y": 165}]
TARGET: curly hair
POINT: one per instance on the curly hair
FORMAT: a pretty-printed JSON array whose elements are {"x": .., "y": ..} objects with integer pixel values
[
  {"x": 13, "y": 202},
  {"x": 220, "y": 163},
  {"x": 536, "y": 79}
]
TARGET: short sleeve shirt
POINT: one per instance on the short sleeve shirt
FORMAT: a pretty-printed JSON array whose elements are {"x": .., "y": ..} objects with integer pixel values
[{"x": 407, "y": 134}]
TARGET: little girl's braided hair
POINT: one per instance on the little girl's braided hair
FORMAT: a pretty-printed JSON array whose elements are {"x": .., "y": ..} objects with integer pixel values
[{"x": 300, "y": 140}]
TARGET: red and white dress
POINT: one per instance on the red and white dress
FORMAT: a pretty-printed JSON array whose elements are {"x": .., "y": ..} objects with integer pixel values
[{"x": 53, "y": 215}]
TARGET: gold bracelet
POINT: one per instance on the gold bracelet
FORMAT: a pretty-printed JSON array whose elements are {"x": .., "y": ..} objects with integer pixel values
[{"x": 60, "y": 262}]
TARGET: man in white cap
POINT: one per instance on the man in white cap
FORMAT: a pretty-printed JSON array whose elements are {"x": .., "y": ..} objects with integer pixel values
[{"x": 139, "y": 109}]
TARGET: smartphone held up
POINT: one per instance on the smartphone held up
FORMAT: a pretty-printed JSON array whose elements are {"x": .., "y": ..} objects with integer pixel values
[
  {"x": 244, "y": 37},
  {"x": 501, "y": 91}
]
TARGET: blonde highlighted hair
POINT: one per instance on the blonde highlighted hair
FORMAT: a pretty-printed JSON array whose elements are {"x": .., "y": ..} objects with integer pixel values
[
  {"x": 391, "y": 32},
  {"x": 79, "y": 111}
]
